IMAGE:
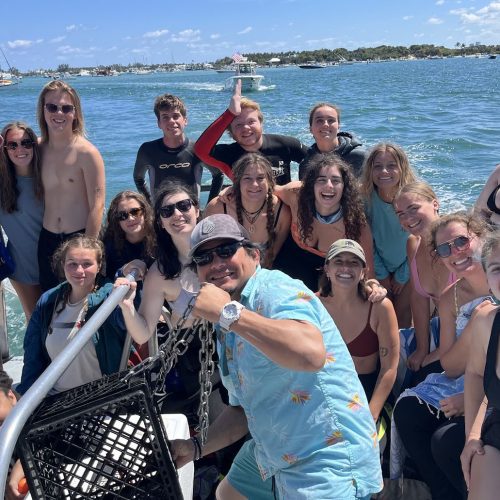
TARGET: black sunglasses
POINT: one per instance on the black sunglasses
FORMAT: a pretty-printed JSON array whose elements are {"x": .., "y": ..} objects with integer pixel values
[
  {"x": 183, "y": 206},
  {"x": 54, "y": 108},
  {"x": 25, "y": 143},
  {"x": 224, "y": 251},
  {"x": 460, "y": 243},
  {"x": 134, "y": 212}
]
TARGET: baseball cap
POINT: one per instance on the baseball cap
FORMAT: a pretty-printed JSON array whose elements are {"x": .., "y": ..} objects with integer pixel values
[
  {"x": 217, "y": 227},
  {"x": 349, "y": 246}
]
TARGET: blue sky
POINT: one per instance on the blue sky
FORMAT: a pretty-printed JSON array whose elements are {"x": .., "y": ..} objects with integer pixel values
[{"x": 37, "y": 34}]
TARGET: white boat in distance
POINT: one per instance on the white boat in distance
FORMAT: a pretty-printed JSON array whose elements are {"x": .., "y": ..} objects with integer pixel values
[{"x": 244, "y": 71}]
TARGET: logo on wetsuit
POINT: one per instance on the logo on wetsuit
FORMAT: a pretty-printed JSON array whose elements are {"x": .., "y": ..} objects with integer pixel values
[{"x": 175, "y": 165}]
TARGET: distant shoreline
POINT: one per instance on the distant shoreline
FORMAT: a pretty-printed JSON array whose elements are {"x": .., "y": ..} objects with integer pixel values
[{"x": 279, "y": 59}]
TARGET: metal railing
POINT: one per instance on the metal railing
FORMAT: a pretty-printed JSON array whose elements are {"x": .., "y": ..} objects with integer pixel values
[
  {"x": 4, "y": 342},
  {"x": 14, "y": 423}
]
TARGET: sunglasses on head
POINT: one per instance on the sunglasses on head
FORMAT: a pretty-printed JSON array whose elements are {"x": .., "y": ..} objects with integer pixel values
[
  {"x": 54, "y": 108},
  {"x": 183, "y": 206},
  {"x": 124, "y": 215},
  {"x": 224, "y": 251},
  {"x": 460, "y": 243},
  {"x": 25, "y": 143}
]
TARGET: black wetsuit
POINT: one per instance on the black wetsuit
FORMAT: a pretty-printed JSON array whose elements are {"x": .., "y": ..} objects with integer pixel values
[
  {"x": 161, "y": 163},
  {"x": 349, "y": 149},
  {"x": 280, "y": 150}
]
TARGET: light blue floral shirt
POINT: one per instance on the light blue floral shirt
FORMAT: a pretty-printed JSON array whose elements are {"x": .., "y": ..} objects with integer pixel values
[{"x": 293, "y": 414}]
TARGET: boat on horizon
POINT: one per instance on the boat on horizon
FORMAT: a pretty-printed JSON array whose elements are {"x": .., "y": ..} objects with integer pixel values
[
  {"x": 245, "y": 71},
  {"x": 312, "y": 65}
]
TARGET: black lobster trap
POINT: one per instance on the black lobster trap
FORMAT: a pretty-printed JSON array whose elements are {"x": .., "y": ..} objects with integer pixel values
[{"x": 102, "y": 440}]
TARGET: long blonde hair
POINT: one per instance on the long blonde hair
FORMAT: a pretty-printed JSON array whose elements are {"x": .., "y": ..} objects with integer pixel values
[
  {"x": 407, "y": 173},
  {"x": 78, "y": 122}
]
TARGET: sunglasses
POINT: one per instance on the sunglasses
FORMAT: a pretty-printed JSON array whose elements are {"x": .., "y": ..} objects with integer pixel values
[
  {"x": 25, "y": 143},
  {"x": 183, "y": 206},
  {"x": 134, "y": 212},
  {"x": 460, "y": 243},
  {"x": 54, "y": 108},
  {"x": 224, "y": 251}
]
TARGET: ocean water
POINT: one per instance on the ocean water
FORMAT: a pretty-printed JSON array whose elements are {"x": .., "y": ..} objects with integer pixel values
[{"x": 443, "y": 112}]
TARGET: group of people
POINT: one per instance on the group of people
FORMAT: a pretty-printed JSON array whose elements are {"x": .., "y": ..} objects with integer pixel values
[{"x": 309, "y": 282}]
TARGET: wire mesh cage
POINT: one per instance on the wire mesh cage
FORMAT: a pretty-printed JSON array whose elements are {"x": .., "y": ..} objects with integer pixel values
[{"x": 101, "y": 440}]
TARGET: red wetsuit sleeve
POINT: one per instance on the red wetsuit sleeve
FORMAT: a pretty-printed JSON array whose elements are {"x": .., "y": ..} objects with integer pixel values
[{"x": 206, "y": 142}]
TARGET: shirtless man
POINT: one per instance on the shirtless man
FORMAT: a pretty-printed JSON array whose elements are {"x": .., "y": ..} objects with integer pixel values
[{"x": 72, "y": 175}]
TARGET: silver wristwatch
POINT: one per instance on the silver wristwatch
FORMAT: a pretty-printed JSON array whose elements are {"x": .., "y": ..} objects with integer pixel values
[{"x": 230, "y": 313}]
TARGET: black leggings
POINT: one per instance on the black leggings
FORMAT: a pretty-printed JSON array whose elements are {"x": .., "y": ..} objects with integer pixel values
[{"x": 434, "y": 444}]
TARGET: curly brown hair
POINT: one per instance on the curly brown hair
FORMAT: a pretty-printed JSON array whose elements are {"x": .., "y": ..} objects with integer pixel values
[
  {"x": 113, "y": 231},
  {"x": 240, "y": 167},
  {"x": 8, "y": 187},
  {"x": 351, "y": 203}
]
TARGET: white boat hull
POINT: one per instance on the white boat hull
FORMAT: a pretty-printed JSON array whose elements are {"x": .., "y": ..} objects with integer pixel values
[{"x": 251, "y": 82}]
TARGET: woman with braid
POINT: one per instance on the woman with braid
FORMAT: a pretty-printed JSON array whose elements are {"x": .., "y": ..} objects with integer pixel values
[
  {"x": 254, "y": 206},
  {"x": 326, "y": 206},
  {"x": 62, "y": 311}
]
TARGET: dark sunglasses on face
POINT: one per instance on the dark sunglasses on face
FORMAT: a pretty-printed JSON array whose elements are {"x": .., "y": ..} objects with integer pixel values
[
  {"x": 124, "y": 215},
  {"x": 460, "y": 243},
  {"x": 54, "y": 108},
  {"x": 183, "y": 206},
  {"x": 25, "y": 143},
  {"x": 224, "y": 251}
]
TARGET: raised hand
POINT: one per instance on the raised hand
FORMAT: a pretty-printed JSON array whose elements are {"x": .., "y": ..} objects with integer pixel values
[{"x": 235, "y": 102}]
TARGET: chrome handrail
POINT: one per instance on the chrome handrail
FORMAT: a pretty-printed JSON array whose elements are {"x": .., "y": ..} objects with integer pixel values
[
  {"x": 4, "y": 339},
  {"x": 14, "y": 423}
]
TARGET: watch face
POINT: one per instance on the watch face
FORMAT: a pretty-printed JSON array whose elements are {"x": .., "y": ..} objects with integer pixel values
[{"x": 230, "y": 311}]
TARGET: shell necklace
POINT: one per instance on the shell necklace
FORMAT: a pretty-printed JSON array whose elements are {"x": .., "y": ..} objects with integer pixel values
[{"x": 251, "y": 217}]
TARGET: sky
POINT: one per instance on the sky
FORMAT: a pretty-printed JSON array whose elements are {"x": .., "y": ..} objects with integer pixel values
[{"x": 44, "y": 34}]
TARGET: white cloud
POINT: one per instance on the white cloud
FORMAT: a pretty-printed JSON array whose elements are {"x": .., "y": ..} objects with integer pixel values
[
  {"x": 434, "y": 20},
  {"x": 418, "y": 35},
  {"x": 185, "y": 36},
  {"x": 245, "y": 31},
  {"x": 488, "y": 15},
  {"x": 214, "y": 36},
  {"x": 440, "y": 2},
  {"x": 57, "y": 39},
  {"x": 71, "y": 27},
  {"x": 407, "y": 18},
  {"x": 155, "y": 34},
  {"x": 68, "y": 49},
  {"x": 19, "y": 43}
]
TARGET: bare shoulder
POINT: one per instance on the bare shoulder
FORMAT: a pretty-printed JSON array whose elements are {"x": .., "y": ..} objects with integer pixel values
[
  {"x": 215, "y": 206},
  {"x": 482, "y": 323},
  {"x": 85, "y": 148},
  {"x": 383, "y": 310},
  {"x": 411, "y": 246}
]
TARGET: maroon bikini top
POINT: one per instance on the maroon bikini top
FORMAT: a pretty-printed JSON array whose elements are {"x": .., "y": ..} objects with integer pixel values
[{"x": 366, "y": 343}]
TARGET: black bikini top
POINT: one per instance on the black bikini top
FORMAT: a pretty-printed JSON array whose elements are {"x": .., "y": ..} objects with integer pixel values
[
  {"x": 491, "y": 382},
  {"x": 491, "y": 203}
]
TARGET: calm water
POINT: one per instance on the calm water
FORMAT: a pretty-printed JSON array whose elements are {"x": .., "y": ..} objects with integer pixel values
[{"x": 443, "y": 112}]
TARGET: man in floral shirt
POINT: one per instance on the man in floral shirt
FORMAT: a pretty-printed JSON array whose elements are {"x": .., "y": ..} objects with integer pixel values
[{"x": 291, "y": 381}]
